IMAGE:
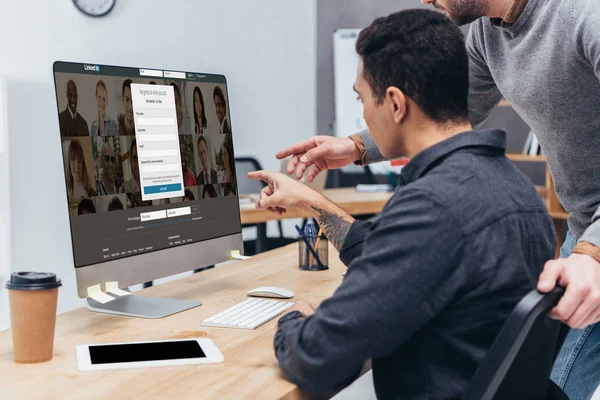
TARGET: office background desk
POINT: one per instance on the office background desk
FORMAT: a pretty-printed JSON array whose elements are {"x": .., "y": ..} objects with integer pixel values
[
  {"x": 353, "y": 202},
  {"x": 361, "y": 203},
  {"x": 250, "y": 370}
]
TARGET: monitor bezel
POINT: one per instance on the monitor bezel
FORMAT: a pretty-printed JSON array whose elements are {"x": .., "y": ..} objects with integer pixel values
[{"x": 149, "y": 266}]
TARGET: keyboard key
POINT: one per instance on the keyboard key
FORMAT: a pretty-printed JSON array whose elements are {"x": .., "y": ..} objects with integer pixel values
[{"x": 248, "y": 314}]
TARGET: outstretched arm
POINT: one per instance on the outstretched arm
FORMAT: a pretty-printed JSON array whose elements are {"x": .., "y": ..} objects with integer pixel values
[{"x": 282, "y": 193}]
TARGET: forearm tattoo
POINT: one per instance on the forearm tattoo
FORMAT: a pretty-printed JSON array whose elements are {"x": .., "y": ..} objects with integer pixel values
[{"x": 335, "y": 227}]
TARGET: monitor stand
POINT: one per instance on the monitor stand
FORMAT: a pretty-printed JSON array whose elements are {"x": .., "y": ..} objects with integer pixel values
[{"x": 142, "y": 307}]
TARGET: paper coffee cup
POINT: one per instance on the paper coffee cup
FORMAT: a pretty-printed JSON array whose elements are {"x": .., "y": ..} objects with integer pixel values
[{"x": 33, "y": 297}]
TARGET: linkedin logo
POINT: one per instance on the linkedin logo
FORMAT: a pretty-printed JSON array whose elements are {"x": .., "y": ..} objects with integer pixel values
[{"x": 94, "y": 68}]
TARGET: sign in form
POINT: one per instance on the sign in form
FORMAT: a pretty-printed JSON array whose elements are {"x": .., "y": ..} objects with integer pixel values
[{"x": 157, "y": 138}]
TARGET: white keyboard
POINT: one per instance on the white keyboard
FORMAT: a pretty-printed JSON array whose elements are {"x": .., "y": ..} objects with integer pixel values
[{"x": 249, "y": 314}]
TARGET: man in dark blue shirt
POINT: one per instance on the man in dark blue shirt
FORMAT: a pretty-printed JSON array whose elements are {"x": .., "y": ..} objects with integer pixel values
[{"x": 433, "y": 278}]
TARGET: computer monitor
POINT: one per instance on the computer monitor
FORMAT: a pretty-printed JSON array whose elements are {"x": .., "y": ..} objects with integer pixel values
[{"x": 149, "y": 176}]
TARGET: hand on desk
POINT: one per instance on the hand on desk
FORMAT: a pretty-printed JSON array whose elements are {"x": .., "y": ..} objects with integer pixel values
[
  {"x": 324, "y": 152},
  {"x": 283, "y": 193},
  {"x": 303, "y": 306},
  {"x": 580, "y": 275}
]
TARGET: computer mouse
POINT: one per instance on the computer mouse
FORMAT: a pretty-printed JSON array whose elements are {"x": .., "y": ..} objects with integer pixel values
[{"x": 271, "y": 291}]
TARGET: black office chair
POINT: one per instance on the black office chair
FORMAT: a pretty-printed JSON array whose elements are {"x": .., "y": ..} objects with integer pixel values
[
  {"x": 519, "y": 362},
  {"x": 245, "y": 185}
]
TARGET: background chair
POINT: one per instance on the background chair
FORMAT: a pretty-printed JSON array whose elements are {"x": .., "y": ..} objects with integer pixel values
[
  {"x": 519, "y": 362},
  {"x": 243, "y": 165}
]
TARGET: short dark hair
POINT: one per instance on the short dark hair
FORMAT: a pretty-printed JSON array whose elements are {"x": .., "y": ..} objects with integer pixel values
[
  {"x": 422, "y": 53},
  {"x": 86, "y": 205},
  {"x": 201, "y": 138},
  {"x": 218, "y": 92},
  {"x": 189, "y": 195},
  {"x": 126, "y": 84},
  {"x": 115, "y": 204}
]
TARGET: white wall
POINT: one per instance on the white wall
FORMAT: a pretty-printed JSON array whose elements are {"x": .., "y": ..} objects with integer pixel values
[
  {"x": 266, "y": 48},
  {"x": 4, "y": 202}
]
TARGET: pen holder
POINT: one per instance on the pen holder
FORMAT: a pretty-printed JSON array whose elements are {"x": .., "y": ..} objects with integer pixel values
[{"x": 306, "y": 260}]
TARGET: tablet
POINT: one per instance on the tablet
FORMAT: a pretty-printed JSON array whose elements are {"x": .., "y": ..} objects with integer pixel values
[{"x": 99, "y": 357}]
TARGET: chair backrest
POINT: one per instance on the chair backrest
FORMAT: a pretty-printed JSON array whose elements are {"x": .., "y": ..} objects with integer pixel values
[
  {"x": 518, "y": 364},
  {"x": 243, "y": 165}
]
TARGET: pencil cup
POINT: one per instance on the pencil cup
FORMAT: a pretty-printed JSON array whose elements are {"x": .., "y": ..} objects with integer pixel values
[{"x": 306, "y": 259}]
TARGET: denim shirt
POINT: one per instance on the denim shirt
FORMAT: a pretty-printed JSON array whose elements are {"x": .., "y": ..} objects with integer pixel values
[{"x": 431, "y": 280}]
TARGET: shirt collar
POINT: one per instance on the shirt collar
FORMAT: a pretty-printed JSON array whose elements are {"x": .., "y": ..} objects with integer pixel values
[
  {"x": 491, "y": 142},
  {"x": 106, "y": 121},
  {"x": 73, "y": 114},
  {"x": 514, "y": 12},
  {"x": 517, "y": 16}
]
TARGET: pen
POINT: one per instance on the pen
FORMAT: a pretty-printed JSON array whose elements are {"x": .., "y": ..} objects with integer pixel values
[
  {"x": 306, "y": 234},
  {"x": 312, "y": 259},
  {"x": 309, "y": 247}
]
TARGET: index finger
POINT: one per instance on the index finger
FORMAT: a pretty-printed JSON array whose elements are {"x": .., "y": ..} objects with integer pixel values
[
  {"x": 301, "y": 147},
  {"x": 260, "y": 175},
  {"x": 549, "y": 276}
]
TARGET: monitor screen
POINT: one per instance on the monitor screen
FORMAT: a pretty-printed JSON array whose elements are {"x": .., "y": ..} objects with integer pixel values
[{"x": 148, "y": 159}]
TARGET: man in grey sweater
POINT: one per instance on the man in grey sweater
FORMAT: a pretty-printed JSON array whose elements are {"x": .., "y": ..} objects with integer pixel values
[{"x": 544, "y": 57}]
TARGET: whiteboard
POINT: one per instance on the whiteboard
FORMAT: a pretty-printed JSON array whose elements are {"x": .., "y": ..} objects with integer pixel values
[{"x": 348, "y": 109}]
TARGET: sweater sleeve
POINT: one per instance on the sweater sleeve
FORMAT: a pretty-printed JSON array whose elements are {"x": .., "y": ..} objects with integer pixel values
[
  {"x": 586, "y": 23},
  {"x": 483, "y": 92},
  {"x": 372, "y": 151}
]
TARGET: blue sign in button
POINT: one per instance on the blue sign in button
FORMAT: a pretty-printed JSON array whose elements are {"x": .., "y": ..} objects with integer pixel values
[{"x": 175, "y": 187}]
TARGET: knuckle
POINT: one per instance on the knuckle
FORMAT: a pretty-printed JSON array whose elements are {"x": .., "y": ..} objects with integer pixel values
[
  {"x": 594, "y": 297},
  {"x": 584, "y": 288}
]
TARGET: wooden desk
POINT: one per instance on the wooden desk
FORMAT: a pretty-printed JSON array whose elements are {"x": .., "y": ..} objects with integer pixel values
[
  {"x": 250, "y": 370},
  {"x": 353, "y": 202}
]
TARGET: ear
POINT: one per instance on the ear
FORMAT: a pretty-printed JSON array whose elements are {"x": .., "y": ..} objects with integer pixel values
[{"x": 398, "y": 103}]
